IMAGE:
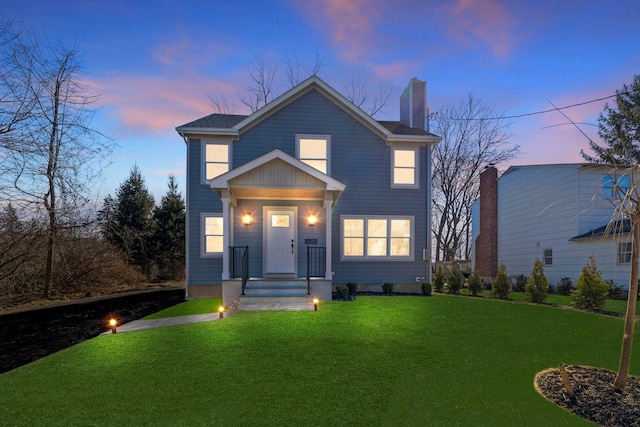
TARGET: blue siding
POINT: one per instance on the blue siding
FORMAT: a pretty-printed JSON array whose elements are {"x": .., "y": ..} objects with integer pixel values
[{"x": 360, "y": 159}]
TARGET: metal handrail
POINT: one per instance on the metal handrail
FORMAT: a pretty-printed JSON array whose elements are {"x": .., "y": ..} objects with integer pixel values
[
  {"x": 316, "y": 264},
  {"x": 240, "y": 255}
]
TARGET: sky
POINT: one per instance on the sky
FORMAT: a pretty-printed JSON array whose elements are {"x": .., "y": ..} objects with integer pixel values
[{"x": 157, "y": 64}]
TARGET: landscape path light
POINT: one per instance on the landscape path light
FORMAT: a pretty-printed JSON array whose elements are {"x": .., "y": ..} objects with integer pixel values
[{"x": 113, "y": 323}]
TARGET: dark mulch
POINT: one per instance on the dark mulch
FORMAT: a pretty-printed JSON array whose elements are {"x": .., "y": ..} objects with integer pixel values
[
  {"x": 595, "y": 399},
  {"x": 29, "y": 335}
]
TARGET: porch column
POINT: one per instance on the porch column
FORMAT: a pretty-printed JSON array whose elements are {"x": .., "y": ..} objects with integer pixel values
[
  {"x": 228, "y": 201},
  {"x": 328, "y": 205}
]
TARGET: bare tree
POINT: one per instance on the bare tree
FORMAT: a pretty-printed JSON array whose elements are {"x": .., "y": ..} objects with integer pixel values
[
  {"x": 297, "y": 72},
  {"x": 222, "y": 105},
  {"x": 263, "y": 71},
  {"x": 472, "y": 138},
  {"x": 360, "y": 93},
  {"x": 54, "y": 156}
]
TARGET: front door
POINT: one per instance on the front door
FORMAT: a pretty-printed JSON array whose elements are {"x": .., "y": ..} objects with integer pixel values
[{"x": 280, "y": 243}]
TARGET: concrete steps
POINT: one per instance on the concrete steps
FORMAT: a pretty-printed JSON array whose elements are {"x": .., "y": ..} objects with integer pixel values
[{"x": 276, "y": 295}]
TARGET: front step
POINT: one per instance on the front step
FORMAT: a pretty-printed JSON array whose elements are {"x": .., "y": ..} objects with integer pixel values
[
  {"x": 248, "y": 303},
  {"x": 276, "y": 294}
]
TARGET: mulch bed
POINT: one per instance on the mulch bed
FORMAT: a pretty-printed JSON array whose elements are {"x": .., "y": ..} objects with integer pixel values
[
  {"x": 595, "y": 398},
  {"x": 29, "y": 335}
]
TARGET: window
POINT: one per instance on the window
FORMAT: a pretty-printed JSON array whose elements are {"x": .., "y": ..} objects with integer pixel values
[
  {"x": 212, "y": 232},
  {"x": 548, "y": 256},
  {"x": 314, "y": 150},
  {"x": 612, "y": 189},
  {"x": 405, "y": 168},
  {"x": 377, "y": 238},
  {"x": 624, "y": 253},
  {"x": 216, "y": 159}
]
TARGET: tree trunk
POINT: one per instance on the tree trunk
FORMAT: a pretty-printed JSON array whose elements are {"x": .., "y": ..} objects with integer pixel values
[{"x": 630, "y": 317}]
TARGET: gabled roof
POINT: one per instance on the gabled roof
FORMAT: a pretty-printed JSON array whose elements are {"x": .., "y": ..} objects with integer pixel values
[
  {"x": 234, "y": 125},
  {"x": 615, "y": 228},
  {"x": 327, "y": 183}
]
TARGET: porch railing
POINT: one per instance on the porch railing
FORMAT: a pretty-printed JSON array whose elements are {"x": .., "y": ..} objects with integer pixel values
[
  {"x": 316, "y": 264},
  {"x": 240, "y": 264}
]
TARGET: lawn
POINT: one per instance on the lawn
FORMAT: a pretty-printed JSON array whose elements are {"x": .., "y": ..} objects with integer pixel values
[{"x": 378, "y": 361}]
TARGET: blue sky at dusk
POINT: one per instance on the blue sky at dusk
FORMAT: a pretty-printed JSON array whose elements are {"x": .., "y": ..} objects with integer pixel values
[{"x": 157, "y": 63}]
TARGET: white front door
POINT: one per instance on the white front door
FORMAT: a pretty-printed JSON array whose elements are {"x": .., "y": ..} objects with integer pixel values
[{"x": 280, "y": 243}]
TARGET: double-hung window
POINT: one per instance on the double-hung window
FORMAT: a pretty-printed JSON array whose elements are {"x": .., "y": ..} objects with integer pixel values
[
  {"x": 624, "y": 252},
  {"x": 548, "y": 256},
  {"x": 405, "y": 168},
  {"x": 216, "y": 159},
  {"x": 314, "y": 150},
  {"x": 614, "y": 187},
  {"x": 212, "y": 235},
  {"x": 377, "y": 238}
]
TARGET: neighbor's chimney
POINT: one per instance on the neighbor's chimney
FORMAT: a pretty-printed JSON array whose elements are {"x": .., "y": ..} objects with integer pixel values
[
  {"x": 487, "y": 240},
  {"x": 413, "y": 104}
]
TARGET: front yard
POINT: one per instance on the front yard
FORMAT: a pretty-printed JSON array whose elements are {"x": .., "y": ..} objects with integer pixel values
[{"x": 377, "y": 361}]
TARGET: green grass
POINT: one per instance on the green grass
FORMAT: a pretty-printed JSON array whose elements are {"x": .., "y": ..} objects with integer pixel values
[
  {"x": 611, "y": 305},
  {"x": 200, "y": 306},
  {"x": 378, "y": 361}
]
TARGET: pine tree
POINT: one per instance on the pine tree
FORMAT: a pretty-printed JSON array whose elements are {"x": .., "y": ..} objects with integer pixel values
[
  {"x": 619, "y": 128},
  {"x": 500, "y": 287},
  {"x": 127, "y": 221},
  {"x": 537, "y": 287},
  {"x": 169, "y": 237},
  {"x": 591, "y": 289}
]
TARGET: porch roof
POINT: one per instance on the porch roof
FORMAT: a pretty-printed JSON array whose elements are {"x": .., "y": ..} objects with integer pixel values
[{"x": 277, "y": 175}]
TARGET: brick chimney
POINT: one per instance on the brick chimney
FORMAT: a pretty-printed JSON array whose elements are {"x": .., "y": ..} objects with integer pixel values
[
  {"x": 487, "y": 240},
  {"x": 413, "y": 104}
]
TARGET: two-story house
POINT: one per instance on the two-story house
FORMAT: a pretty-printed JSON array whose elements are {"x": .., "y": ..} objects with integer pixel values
[
  {"x": 560, "y": 213},
  {"x": 306, "y": 193}
]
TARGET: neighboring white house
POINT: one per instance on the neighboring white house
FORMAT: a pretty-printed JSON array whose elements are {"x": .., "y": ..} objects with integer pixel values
[{"x": 559, "y": 214}]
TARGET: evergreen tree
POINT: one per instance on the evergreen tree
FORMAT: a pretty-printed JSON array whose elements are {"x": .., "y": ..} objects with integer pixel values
[
  {"x": 591, "y": 289},
  {"x": 127, "y": 221},
  {"x": 169, "y": 237},
  {"x": 619, "y": 128},
  {"x": 500, "y": 287},
  {"x": 537, "y": 287}
]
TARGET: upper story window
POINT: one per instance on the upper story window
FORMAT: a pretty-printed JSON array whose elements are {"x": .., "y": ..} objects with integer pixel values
[
  {"x": 405, "y": 167},
  {"x": 314, "y": 150},
  {"x": 615, "y": 186},
  {"x": 216, "y": 159}
]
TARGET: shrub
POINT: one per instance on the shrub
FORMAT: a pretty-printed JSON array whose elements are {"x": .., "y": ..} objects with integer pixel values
[
  {"x": 537, "y": 287},
  {"x": 614, "y": 290},
  {"x": 591, "y": 289},
  {"x": 438, "y": 281},
  {"x": 474, "y": 283},
  {"x": 454, "y": 284},
  {"x": 564, "y": 286},
  {"x": 426, "y": 289},
  {"x": 352, "y": 286},
  {"x": 342, "y": 292},
  {"x": 500, "y": 287},
  {"x": 521, "y": 283},
  {"x": 387, "y": 288}
]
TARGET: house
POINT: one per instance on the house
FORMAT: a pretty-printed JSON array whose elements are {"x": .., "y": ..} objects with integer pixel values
[
  {"x": 307, "y": 193},
  {"x": 560, "y": 213}
]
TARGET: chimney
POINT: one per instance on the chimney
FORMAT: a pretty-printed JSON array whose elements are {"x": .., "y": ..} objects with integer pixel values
[
  {"x": 413, "y": 104},
  {"x": 487, "y": 240}
]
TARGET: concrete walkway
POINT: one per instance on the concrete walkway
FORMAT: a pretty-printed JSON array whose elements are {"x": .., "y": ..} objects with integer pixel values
[{"x": 137, "y": 325}]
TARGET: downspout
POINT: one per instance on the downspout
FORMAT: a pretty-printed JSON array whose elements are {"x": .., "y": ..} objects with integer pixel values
[{"x": 186, "y": 226}]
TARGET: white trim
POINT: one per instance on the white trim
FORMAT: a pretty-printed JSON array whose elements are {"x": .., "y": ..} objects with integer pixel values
[
  {"x": 416, "y": 167},
  {"x": 192, "y": 131},
  {"x": 365, "y": 257},
  {"x": 203, "y": 252},
  {"x": 203, "y": 157},
  {"x": 327, "y": 140}
]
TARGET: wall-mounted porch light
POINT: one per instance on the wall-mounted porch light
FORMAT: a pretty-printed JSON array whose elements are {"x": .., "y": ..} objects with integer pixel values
[
  {"x": 246, "y": 219},
  {"x": 312, "y": 219},
  {"x": 113, "y": 324}
]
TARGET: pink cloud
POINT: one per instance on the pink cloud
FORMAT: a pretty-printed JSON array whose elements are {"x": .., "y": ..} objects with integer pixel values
[
  {"x": 141, "y": 104},
  {"x": 487, "y": 20}
]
